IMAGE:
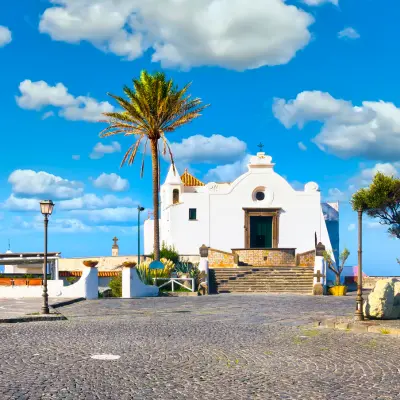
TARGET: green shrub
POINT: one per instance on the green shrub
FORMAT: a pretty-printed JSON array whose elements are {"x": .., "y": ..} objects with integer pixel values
[
  {"x": 168, "y": 252},
  {"x": 116, "y": 286}
]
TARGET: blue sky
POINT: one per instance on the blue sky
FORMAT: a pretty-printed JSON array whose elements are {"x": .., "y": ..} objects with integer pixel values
[{"x": 314, "y": 80}]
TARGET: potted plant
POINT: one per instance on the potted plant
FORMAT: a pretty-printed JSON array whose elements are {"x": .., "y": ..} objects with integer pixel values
[
  {"x": 90, "y": 263},
  {"x": 338, "y": 289},
  {"x": 129, "y": 264}
]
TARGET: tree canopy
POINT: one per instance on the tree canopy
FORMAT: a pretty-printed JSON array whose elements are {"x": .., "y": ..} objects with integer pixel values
[{"x": 381, "y": 200}]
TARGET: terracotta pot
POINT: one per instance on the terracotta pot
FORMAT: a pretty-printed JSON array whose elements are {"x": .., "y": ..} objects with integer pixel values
[
  {"x": 90, "y": 263},
  {"x": 19, "y": 281},
  {"x": 5, "y": 281},
  {"x": 34, "y": 282},
  {"x": 129, "y": 264},
  {"x": 338, "y": 290}
]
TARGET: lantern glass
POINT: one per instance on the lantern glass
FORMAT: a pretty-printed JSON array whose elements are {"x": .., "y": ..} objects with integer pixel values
[{"x": 46, "y": 207}]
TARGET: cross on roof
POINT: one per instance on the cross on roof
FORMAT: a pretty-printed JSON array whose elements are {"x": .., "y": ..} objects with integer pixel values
[
  {"x": 115, "y": 240},
  {"x": 260, "y": 146}
]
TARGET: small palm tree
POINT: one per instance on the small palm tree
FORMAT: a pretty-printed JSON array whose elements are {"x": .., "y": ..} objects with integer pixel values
[{"x": 152, "y": 109}]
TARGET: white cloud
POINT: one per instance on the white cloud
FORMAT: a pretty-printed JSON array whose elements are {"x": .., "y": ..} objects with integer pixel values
[
  {"x": 362, "y": 179},
  {"x": 14, "y": 203},
  {"x": 320, "y": 2},
  {"x": 371, "y": 130},
  {"x": 351, "y": 227},
  {"x": 185, "y": 33},
  {"x": 111, "y": 182},
  {"x": 93, "y": 202},
  {"x": 228, "y": 172},
  {"x": 100, "y": 149},
  {"x": 107, "y": 215},
  {"x": 57, "y": 225},
  {"x": 348, "y": 33},
  {"x": 213, "y": 149},
  {"x": 47, "y": 114},
  {"x": 5, "y": 36},
  {"x": 37, "y": 95},
  {"x": 76, "y": 157},
  {"x": 30, "y": 183},
  {"x": 302, "y": 146}
]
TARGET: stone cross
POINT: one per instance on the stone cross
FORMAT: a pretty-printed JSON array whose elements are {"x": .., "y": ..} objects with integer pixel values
[
  {"x": 260, "y": 146},
  {"x": 318, "y": 275},
  {"x": 115, "y": 241}
]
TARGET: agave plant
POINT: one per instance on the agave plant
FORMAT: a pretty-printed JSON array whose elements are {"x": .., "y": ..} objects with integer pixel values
[{"x": 146, "y": 274}]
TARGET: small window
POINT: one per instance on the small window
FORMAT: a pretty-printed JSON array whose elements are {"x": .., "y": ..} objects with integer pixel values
[
  {"x": 192, "y": 214},
  {"x": 260, "y": 196},
  {"x": 175, "y": 196}
]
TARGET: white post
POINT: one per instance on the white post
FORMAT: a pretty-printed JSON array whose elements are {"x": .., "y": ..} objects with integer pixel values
[
  {"x": 56, "y": 272},
  {"x": 126, "y": 282}
]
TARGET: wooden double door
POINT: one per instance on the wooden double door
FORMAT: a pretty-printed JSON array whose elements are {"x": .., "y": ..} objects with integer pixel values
[{"x": 261, "y": 228}]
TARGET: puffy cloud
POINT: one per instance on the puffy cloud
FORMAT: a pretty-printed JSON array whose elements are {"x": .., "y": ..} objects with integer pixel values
[
  {"x": 93, "y": 202},
  {"x": 320, "y": 2},
  {"x": 362, "y": 179},
  {"x": 106, "y": 215},
  {"x": 348, "y": 33},
  {"x": 351, "y": 227},
  {"x": 228, "y": 172},
  {"x": 185, "y": 33},
  {"x": 30, "y": 183},
  {"x": 371, "y": 130},
  {"x": 37, "y": 95},
  {"x": 302, "y": 146},
  {"x": 14, "y": 203},
  {"x": 213, "y": 149},
  {"x": 111, "y": 182},
  {"x": 100, "y": 149},
  {"x": 5, "y": 36}
]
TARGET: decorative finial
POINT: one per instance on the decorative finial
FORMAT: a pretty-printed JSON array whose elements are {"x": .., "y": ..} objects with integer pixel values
[
  {"x": 115, "y": 241},
  {"x": 260, "y": 146}
]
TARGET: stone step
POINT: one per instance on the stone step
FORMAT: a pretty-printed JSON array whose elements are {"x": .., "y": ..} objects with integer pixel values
[{"x": 266, "y": 291}]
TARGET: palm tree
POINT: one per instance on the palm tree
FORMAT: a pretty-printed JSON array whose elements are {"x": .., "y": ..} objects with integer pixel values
[{"x": 154, "y": 108}]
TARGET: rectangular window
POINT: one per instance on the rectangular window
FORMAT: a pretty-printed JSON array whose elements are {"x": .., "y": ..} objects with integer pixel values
[{"x": 192, "y": 214}]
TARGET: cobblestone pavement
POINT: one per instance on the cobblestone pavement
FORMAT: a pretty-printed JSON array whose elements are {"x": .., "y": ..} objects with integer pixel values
[{"x": 215, "y": 347}]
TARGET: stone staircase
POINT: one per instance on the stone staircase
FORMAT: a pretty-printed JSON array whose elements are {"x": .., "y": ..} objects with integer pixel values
[{"x": 280, "y": 279}]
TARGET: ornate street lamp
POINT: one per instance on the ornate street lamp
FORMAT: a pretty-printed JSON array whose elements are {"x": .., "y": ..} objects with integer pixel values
[
  {"x": 140, "y": 209},
  {"x": 46, "y": 207},
  {"x": 359, "y": 314}
]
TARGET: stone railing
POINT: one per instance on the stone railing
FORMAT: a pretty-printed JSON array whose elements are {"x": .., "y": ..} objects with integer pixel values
[
  {"x": 306, "y": 259},
  {"x": 220, "y": 259},
  {"x": 266, "y": 257}
]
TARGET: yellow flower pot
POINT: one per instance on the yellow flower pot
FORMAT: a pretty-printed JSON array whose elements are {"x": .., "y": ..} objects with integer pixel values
[{"x": 338, "y": 290}]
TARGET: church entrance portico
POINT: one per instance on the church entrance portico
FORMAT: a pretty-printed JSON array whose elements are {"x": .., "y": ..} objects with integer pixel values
[{"x": 261, "y": 228}]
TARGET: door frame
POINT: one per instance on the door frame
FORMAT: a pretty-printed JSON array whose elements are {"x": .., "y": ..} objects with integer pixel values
[{"x": 262, "y": 212}]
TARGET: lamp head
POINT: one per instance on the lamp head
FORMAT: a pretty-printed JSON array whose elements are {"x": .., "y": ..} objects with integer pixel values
[{"x": 46, "y": 207}]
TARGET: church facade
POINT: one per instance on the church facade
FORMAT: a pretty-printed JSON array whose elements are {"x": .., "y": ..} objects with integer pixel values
[{"x": 258, "y": 210}]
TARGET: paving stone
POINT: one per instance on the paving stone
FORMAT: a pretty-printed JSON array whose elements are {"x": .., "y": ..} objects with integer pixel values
[{"x": 207, "y": 347}]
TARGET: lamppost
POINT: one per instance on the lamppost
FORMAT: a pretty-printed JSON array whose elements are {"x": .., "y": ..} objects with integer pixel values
[
  {"x": 359, "y": 314},
  {"x": 46, "y": 207},
  {"x": 140, "y": 209}
]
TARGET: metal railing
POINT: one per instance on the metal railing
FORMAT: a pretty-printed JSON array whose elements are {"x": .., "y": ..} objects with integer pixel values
[{"x": 172, "y": 281}]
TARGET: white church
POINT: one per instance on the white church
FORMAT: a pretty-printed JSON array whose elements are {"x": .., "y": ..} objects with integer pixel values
[{"x": 258, "y": 210}]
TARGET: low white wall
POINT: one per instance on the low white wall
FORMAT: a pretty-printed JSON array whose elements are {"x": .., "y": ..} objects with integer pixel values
[
  {"x": 132, "y": 286},
  {"x": 86, "y": 287}
]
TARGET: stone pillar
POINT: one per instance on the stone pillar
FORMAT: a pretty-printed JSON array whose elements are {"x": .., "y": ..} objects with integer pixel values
[
  {"x": 204, "y": 270},
  {"x": 91, "y": 283},
  {"x": 319, "y": 283}
]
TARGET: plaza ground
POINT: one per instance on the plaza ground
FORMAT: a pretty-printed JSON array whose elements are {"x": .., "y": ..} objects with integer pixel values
[{"x": 212, "y": 347}]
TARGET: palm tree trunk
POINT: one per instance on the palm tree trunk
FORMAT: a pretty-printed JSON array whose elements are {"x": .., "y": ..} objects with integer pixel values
[{"x": 156, "y": 172}]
